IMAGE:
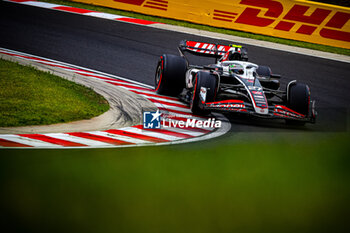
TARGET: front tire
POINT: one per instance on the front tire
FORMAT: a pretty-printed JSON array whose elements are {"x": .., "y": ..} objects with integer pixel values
[
  {"x": 170, "y": 75},
  {"x": 208, "y": 81},
  {"x": 298, "y": 99}
]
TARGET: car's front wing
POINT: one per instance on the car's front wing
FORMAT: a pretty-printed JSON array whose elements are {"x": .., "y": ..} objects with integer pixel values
[{"x": 276, "y": 111}]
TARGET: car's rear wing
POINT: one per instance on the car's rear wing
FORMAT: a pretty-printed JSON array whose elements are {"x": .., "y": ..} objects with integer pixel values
[{"x": 211, "y": 50}]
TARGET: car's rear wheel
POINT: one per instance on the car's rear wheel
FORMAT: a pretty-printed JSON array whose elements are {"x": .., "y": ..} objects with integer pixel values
[
  {"x": 206, "y": 83},
  {"x": 264, "y": 71},
  {"x": 298, "y": 99},
  {"x": 170, "y": 75}
]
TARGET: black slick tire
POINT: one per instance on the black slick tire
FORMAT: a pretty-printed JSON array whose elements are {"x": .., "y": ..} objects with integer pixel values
[
  {"x": 209, "y": 82},
  {"x": 298, "y": 100},
  {"x": 264, "y": 71},
  {"x": 170, "y": 75}
]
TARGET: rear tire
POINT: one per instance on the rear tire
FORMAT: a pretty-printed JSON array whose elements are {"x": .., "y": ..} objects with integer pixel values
[
  {"x": 208, "y": 81},
  {"x": 298, "y": 100},
  {"x": 264, "y": 71},
  {"x": 170, "y": 75}
]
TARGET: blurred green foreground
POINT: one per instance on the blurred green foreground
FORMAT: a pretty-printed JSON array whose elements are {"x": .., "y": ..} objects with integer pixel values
[{"x": 296, "y": 182}]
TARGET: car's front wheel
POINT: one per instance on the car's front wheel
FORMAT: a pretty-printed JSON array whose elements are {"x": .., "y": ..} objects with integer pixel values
[
  {"x": 298, "y": 99},
  {"x": 204, "y": 91}
]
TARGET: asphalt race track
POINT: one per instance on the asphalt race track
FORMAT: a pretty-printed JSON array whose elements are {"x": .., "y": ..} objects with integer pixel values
[{"x": 132, "y": 51}]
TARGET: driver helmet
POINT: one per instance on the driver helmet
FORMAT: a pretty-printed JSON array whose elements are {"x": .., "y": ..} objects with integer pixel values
[{"x": 236, "y": 68}]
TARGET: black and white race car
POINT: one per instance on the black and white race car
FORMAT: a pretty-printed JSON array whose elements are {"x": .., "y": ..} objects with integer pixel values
[{"x": 232, "y": 84}]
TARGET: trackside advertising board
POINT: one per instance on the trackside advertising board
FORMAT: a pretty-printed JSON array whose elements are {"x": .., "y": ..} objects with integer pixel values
[{"x": 299, "y": 20}]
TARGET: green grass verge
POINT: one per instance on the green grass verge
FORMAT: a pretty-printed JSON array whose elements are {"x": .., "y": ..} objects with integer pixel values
[
  {"x": 271, "y": 183},
  {"x": 32, "y": 97},
  {"x": 206, "y": 28}
]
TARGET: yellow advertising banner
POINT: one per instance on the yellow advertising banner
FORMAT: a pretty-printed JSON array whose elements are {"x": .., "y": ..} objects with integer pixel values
[{"x": 292, "y": 19}]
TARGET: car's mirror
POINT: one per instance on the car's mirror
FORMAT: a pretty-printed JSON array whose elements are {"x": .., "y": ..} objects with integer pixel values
[{"x": 276, "y": 76}]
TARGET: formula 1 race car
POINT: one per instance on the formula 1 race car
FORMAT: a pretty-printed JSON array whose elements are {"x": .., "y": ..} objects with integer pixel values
[{"x": 232, "y": 84}]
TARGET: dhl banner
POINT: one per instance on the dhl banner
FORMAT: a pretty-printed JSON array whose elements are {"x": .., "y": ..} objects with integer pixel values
[{"x": 292, "y": 19}]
